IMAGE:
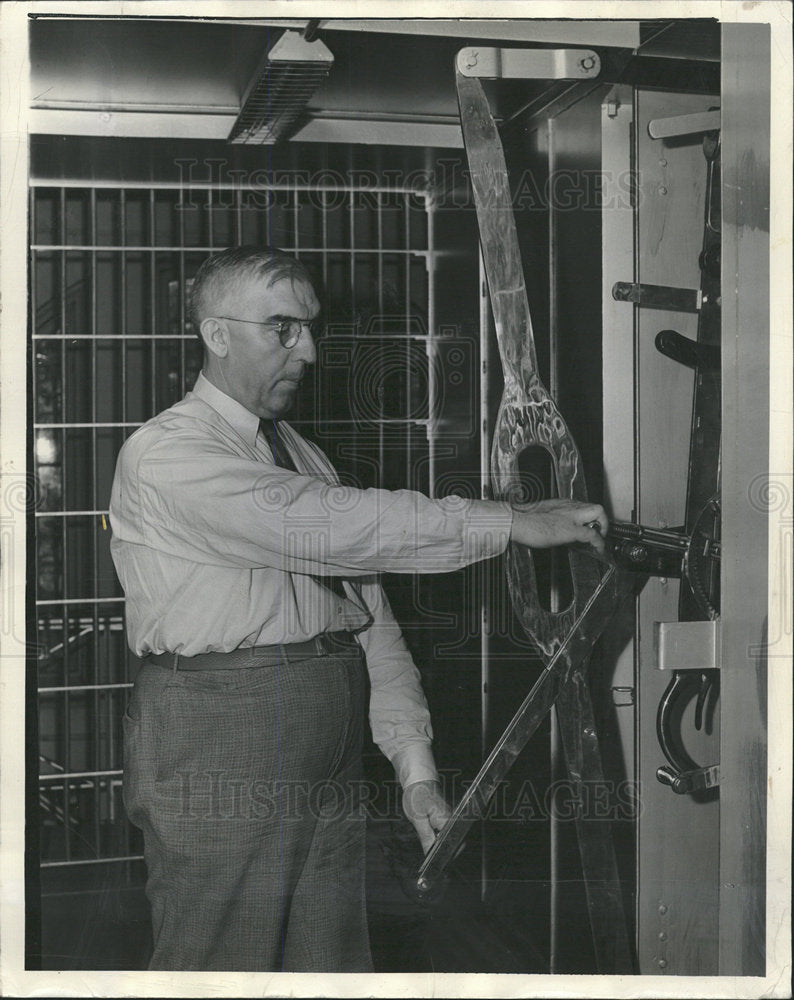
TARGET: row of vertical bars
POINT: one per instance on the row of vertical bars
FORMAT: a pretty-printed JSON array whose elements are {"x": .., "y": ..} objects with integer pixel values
[{"x": 87, "y": 636}]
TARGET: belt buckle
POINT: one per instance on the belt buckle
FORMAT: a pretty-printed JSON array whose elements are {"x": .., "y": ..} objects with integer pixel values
[
  {"x": 331, "y": 642},
  {"x": 325, "y": 644}
]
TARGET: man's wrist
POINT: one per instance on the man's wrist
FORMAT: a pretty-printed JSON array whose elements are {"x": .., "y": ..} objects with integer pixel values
[
  {"x": 487, "y": 529},
  {"x": 415, "y": 763}
]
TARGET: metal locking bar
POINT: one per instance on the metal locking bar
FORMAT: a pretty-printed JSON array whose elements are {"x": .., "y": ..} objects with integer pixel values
[
  {"x": 657, "y": 296},
  {"x": 669, "y": 128}
]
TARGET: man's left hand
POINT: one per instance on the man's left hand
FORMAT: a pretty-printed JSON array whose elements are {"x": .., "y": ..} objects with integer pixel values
[{"x": 427, "y": 809}]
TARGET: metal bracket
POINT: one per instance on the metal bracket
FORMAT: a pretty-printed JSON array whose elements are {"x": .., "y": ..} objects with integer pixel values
[
  {"x": 528, "y": 64},
  {"x": 699, "y": 780},
  {"x": 691, "y": 651},
  {"x": 658, "y": 296},
  {"x": 622, "y": 696},
  {"x": 687, "y": 645},
  {"x": 668, "y": 128}
]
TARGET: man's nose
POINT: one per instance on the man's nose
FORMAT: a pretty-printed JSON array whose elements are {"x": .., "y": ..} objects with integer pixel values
[{"x": 305, "y": 349}]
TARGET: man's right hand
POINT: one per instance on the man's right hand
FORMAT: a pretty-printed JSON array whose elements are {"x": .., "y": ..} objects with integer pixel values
[{"x": 559, "y": 522}]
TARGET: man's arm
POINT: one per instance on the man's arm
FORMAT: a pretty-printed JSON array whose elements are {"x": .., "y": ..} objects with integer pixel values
[
  {"x": 193, "y": 498},
  {"x": 399, "y": 716},
  {"x": 196, "y": 499}
]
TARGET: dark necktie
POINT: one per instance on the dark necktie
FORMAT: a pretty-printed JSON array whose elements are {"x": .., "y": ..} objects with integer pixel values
[
  {"x": 280, "y": 454},
  {"x": 282, "y": 458}
]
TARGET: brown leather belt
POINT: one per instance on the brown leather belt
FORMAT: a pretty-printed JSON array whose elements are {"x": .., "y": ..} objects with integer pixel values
[{"x": 325, "y": 644}]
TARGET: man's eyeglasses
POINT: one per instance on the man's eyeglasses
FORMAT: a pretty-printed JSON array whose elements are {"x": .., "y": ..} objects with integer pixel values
[{"x": 287, "y": 330}]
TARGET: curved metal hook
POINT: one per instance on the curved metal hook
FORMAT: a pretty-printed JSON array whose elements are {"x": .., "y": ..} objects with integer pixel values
[{"x": 684, "y": 775}]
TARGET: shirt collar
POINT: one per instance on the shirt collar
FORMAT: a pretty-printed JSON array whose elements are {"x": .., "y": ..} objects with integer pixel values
[{"x": 243, "y": 421}]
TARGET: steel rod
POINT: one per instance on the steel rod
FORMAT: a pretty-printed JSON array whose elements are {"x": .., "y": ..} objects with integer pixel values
[
  {"x": 409, "y": 472},
  {"x": 324, "y": 223},
  {"x": 181, "y": 296},
  {"x": 190, "y": 336},
  {"x": 84, "y": 426},
  {"x": 85, "y": 687},
  {"x": 555, "y": 747},
  {"x": 382, "y": 387},
  {"x": 485, "y": 576},
  {"x": 78, "y": 600},
  {"x": 66, "y": 718},
  {"x": 111, "y": 248},
  {"x": 68, "y": 183},
  {"x": 68, "y": 775},
  {"x": 91, "y": 861},
  {"x": 431, "y": 347},
  {"x": 93, "y": 724}
]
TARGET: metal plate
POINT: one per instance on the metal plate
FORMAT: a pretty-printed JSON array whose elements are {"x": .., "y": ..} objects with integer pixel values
[{"x": 528, "y": 64}]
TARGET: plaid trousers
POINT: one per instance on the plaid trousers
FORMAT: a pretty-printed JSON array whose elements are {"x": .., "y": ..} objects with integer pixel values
[{"x": 246, "y": 783}]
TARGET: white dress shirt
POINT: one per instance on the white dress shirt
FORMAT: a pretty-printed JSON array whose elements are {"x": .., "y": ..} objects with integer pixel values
[{"x": 217, "y": 548}]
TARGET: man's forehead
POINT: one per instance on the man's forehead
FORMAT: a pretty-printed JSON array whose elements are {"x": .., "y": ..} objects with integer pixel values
[{"x": 283, "y": 292}]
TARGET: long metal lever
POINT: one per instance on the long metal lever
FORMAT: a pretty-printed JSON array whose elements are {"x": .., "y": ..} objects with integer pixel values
[{"x": 573, "y": 650}]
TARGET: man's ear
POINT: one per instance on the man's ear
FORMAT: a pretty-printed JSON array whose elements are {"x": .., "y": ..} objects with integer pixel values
[{"x": 215, "y": 335}]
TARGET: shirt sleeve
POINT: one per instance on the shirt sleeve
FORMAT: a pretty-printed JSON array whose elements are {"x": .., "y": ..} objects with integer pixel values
[
  {"x": 398, "y": 713},
  {"x": 192, "y": 498}
]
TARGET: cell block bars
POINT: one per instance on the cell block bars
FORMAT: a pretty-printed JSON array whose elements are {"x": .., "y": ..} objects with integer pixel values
[{"x": 113, "y": 345}]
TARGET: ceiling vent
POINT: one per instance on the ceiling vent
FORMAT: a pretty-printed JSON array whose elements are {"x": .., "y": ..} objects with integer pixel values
[{"x": 282, "y": 86}]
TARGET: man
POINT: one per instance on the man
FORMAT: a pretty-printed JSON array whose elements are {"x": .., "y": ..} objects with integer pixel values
[{"x": 252, "y": 594}]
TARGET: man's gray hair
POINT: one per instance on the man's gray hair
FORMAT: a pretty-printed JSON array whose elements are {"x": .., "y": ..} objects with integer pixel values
[{"x": 219, "y": 273}]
